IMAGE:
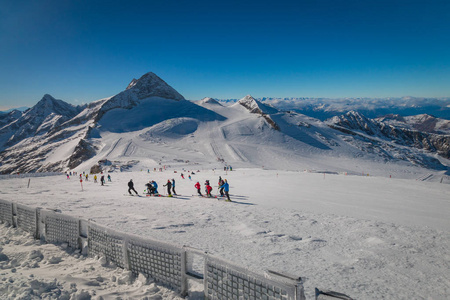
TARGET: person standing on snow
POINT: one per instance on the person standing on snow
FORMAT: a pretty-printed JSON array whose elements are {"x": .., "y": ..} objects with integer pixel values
[
  {"x": 150, "y": 188},
  {"x": 173, "y": 186},
  {"x": 155, "y": 186},
  {"x": 197, "y": 186},
  {"x": 208, "y": 188},
  {"x": 131, "y": 187},
  {"x": 226, "y": 189},
  {"x": 102, "y": 180},
  {"x": 220, "y": 184},
  {"x": 169, "y": 187}
]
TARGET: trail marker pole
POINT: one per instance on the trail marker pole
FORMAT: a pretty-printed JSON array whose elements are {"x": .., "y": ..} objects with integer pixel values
[
  {"x": 29, "y": 179},
  {"x": 81, "y": 182}
]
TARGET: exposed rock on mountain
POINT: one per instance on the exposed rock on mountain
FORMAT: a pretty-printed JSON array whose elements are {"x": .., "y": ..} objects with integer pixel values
[
  {"x": 424, "y": 123},
  {"x": 256, "y": 107},
  {"x": 7, "y": 118},
  {"x": 354, "y": 123}
]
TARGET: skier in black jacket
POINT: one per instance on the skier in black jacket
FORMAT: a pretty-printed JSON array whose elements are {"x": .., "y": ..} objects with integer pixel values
[
  {"x": 131, "y": 187},
  {"x": 221, "y": 182},
  {"x": 169, "y": 187}
]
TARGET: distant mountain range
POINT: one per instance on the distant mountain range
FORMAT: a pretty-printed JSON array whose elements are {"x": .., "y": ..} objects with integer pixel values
[
  {"x": 150, "y": 124},
  {"x": 325, "y": 108}
]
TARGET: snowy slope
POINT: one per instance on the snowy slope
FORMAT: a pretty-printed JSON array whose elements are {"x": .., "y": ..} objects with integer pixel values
[{"x": 368, "y": 237}]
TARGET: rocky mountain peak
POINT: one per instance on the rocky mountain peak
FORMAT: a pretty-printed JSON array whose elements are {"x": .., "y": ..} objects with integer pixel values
[
  {"x": 150, "y": 85},
  {"x": 147, "y": 86},
  {"x": 355, "y": 120},
  {"x": 49, "y": 105},
  {"x": 256, "y": 107},
  {"x": 251, "y": 104},
  {"x": 209, "y": 100}
]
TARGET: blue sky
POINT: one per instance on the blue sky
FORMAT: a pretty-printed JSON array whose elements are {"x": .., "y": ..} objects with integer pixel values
[{"x": 81, "y": 51}]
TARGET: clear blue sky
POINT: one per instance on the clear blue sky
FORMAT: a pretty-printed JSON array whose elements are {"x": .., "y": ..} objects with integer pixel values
[{"x": 81, "y": 51}]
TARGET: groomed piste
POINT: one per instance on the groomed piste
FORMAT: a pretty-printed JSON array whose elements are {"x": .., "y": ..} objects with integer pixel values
[{"x": 368, "y": 237}]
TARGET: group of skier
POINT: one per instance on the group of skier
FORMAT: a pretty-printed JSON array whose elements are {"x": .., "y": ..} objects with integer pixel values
[
  {"x": 224, "y": 188},
  {"x": 85, "y": 176},
  {"x": 152, "y": 188},
  {"x": 170, "y": 187},
  {"x": 102, "y": 179}
]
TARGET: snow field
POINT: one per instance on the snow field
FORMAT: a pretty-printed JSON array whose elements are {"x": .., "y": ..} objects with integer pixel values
[
  {"x": 367, "y": 237},
  {"x": 32, "y": 270}
]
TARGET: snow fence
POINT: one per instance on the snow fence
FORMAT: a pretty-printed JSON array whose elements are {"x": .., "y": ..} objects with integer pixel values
[
  {"x": 168, "y": 264},
  {"x": 28, "y": 175}
]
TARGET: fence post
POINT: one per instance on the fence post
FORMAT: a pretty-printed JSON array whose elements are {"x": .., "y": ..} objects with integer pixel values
[
  {"x": 14, "y": 214},
  {"x": 184, "y": 284},
  {"x": 83, "y": 239}
]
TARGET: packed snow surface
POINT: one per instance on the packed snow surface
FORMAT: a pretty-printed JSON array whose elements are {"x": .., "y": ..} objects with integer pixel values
[
  {"x": 364, "y": 236},
  {"x": 30, "y": 269}
]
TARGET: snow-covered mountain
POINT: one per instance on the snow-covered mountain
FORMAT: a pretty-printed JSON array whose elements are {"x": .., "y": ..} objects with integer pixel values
[
  {"x": 149, "y": 124},
  {"x": 386, "y": 135},
  {"x": 46, "y": 115},
  {"x": 423, "y": 122}
]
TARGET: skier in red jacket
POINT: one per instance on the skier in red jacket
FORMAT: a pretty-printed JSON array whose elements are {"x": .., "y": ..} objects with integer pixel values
[
  {"x": 197, "y": 186},
  {"x": 208, "y": 188}
]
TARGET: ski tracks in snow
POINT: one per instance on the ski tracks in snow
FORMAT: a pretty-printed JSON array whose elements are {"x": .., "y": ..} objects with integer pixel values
[
  {"x": 217, "y": 148},
  {"x": 113, "y": 147}
]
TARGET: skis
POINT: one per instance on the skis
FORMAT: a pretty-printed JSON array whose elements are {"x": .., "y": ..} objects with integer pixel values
[
  {"x": 159, "y": 195},
  {"x": 226, "y": 200},
  {"x": 218, "y": 197}
]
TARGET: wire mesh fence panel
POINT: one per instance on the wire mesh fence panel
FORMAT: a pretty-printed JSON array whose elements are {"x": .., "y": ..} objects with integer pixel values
[
  {"x": 107, "y": 243},
  {"x": 226, "y": 281},
  {"x": 6, "y": 212},
  {"x": 61, "y": 228},
  {"x": 163, "y": 262},
  {"x": 27, "y": 218}
]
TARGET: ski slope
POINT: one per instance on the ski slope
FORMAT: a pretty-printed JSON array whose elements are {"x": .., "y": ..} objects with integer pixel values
[
  {"x": 368, "y": 237},
  {"x": 182, "y": 134}
]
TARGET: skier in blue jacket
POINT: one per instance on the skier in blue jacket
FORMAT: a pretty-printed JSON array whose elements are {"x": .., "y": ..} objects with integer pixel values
[
  {"x": 155, "y": 185},
  {"x": 226, "y": 189},
  {"x": 173, "y": 186}
]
